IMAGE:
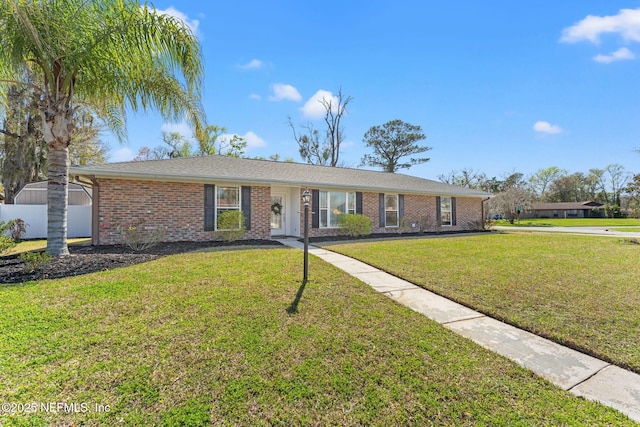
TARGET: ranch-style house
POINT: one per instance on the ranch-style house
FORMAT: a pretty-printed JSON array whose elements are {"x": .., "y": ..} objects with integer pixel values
[{"x": 184, "y": 196}]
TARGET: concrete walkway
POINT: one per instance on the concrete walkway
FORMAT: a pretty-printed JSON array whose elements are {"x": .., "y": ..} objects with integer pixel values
[{"x": 576, "y": 372}]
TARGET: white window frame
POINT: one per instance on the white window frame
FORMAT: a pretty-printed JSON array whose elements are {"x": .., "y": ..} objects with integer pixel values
[
  {"x": 219, "y": 209},
  {"x": 325, "y": 207},
  {"x": 444, "y": 211},
  {"x": 388, "y": 210}
]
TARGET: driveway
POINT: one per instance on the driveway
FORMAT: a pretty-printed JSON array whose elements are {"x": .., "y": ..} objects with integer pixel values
[{"x": 598, "y": 231}]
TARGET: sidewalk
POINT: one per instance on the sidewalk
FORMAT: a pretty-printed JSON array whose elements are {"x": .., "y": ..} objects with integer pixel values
[{"x": 578, "y": 373}]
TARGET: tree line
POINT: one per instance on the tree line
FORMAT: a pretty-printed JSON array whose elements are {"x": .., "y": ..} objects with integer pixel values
[
  {"x": 390, "y": 143},
  {"x": 613, "y": 186},
  {"x": 176, "y": 145}
]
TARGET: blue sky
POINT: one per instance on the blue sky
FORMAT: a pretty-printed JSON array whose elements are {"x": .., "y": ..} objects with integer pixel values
[{"x": 497, "y": 86}]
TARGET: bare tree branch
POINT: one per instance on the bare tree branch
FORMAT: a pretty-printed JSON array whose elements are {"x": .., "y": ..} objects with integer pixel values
[{"x": 327, "y": 152}]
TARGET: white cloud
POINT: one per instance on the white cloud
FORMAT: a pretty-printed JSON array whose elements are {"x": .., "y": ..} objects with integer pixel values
[
  {"x": 626, "y": 23},
  {"x": 619, "y": 55},
  {"x": 314, "y": 108},
  {"x": 253, "y": 140},
  {"x": 123, "y": 155},
  {"x": 182, "y": 128},
  {"x": 546, "y": 127},
  {"x": 255, "y": 96},
  {"x": 283, "y": 91},
  {"x": 254, "y": 64},
  {"x": 191, "y": 23}
]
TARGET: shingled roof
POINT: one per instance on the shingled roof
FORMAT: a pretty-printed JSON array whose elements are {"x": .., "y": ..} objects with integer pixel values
[{"x": 266, "y": 172}]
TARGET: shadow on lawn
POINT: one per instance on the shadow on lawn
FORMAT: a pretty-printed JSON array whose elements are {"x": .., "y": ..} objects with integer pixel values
[{"x": 293, "y": 308}]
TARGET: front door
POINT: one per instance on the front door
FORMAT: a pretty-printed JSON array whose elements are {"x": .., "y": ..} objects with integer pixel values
[{"x": 278, "y": 214}]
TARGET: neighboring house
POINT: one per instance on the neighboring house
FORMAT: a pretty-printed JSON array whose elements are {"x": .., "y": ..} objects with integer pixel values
[
  {"x": 182, "y": 197},
  {"x": 566, "y": 210}
]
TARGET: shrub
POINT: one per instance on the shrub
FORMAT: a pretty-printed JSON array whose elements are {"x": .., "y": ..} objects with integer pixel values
[
  {"x": 230, "y": 225},
  {"x": 6, "y": 242},
  {"x": 404, "y": 225},
  {"x": 17, "y": 229},
  {"x": 480, "y": 224},
  {"x": 33, "y": 259},
  {"x": 489, "y": 223},
  {"x": 139, "y": 237},
  {"x": 424, "y": 224},
  {"x": 355, "y": 225}
]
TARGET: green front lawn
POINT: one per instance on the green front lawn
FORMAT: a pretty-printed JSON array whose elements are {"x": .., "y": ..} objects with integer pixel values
[
  {"x": 40, "y": 244},
  {"x": 218, "y": 338},
  {"x": 572, "y": 222},
  {"x": 578, "y": 290}
]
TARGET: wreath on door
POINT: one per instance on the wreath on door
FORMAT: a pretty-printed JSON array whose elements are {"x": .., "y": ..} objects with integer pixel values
[{"x": 276, "y": 208}]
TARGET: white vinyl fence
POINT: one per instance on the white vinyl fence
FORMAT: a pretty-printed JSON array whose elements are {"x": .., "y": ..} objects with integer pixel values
[{"x": 78, "y": 219}]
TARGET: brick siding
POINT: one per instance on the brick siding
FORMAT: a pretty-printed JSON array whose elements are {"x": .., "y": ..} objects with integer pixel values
[
  {"x": 419, "y": 211},
  {"x": 177, "y": 209}
]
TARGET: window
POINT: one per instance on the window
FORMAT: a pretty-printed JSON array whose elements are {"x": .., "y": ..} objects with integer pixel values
[
  {"x": 218, "y": 200},
  {"x": 333, "y": 204},
  {"x": 391, "y": 210},
  {"x": 227, "y": 199},
  {"x": 445, "y": 211}
]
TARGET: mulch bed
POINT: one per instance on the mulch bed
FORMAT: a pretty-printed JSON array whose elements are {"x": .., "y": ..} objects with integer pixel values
[{"x": 85, "y": 259}]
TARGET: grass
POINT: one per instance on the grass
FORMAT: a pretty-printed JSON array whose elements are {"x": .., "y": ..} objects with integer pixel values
[
  {"x": 572, "y": 222},
  {"x": 35, "y": 245},
  {"x": 216, "y": 338},
  {"x": 581, "y": 291}
]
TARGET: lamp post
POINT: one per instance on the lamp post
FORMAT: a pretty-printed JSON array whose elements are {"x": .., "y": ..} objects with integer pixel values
[{"x": 306, "y": 198}]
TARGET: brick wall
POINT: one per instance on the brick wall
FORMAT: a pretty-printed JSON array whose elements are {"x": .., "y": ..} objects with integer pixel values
[
  {"x": 419, "y": 211},
  {"x": 175, "y": 208},
  {"x": 178, "y": 210},
  {"x": 469, "y": 213}
]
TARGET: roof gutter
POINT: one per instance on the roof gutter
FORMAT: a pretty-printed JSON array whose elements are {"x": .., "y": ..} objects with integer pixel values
[{"x": 483, "y": 213}]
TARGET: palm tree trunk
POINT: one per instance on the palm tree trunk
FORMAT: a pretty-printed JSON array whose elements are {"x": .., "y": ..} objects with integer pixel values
[{"x": 57, "y": 198}]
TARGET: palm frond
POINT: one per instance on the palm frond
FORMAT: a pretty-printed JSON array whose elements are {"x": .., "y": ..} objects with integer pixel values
[{"x": 112, "y": 55}]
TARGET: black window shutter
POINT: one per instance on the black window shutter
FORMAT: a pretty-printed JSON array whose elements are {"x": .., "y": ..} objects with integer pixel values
[
  {"x": 246, "y": 206},
  {"x": 315, "y": 209},
  {"x": 381, "y": 208},
  {"x": 359, "y": 202},
  {"x": 400, "y": 206},
  {"x": 438, "y": 211},
  {"x": 453, "y": 211},
  {"x": 209, "y": 207}
]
